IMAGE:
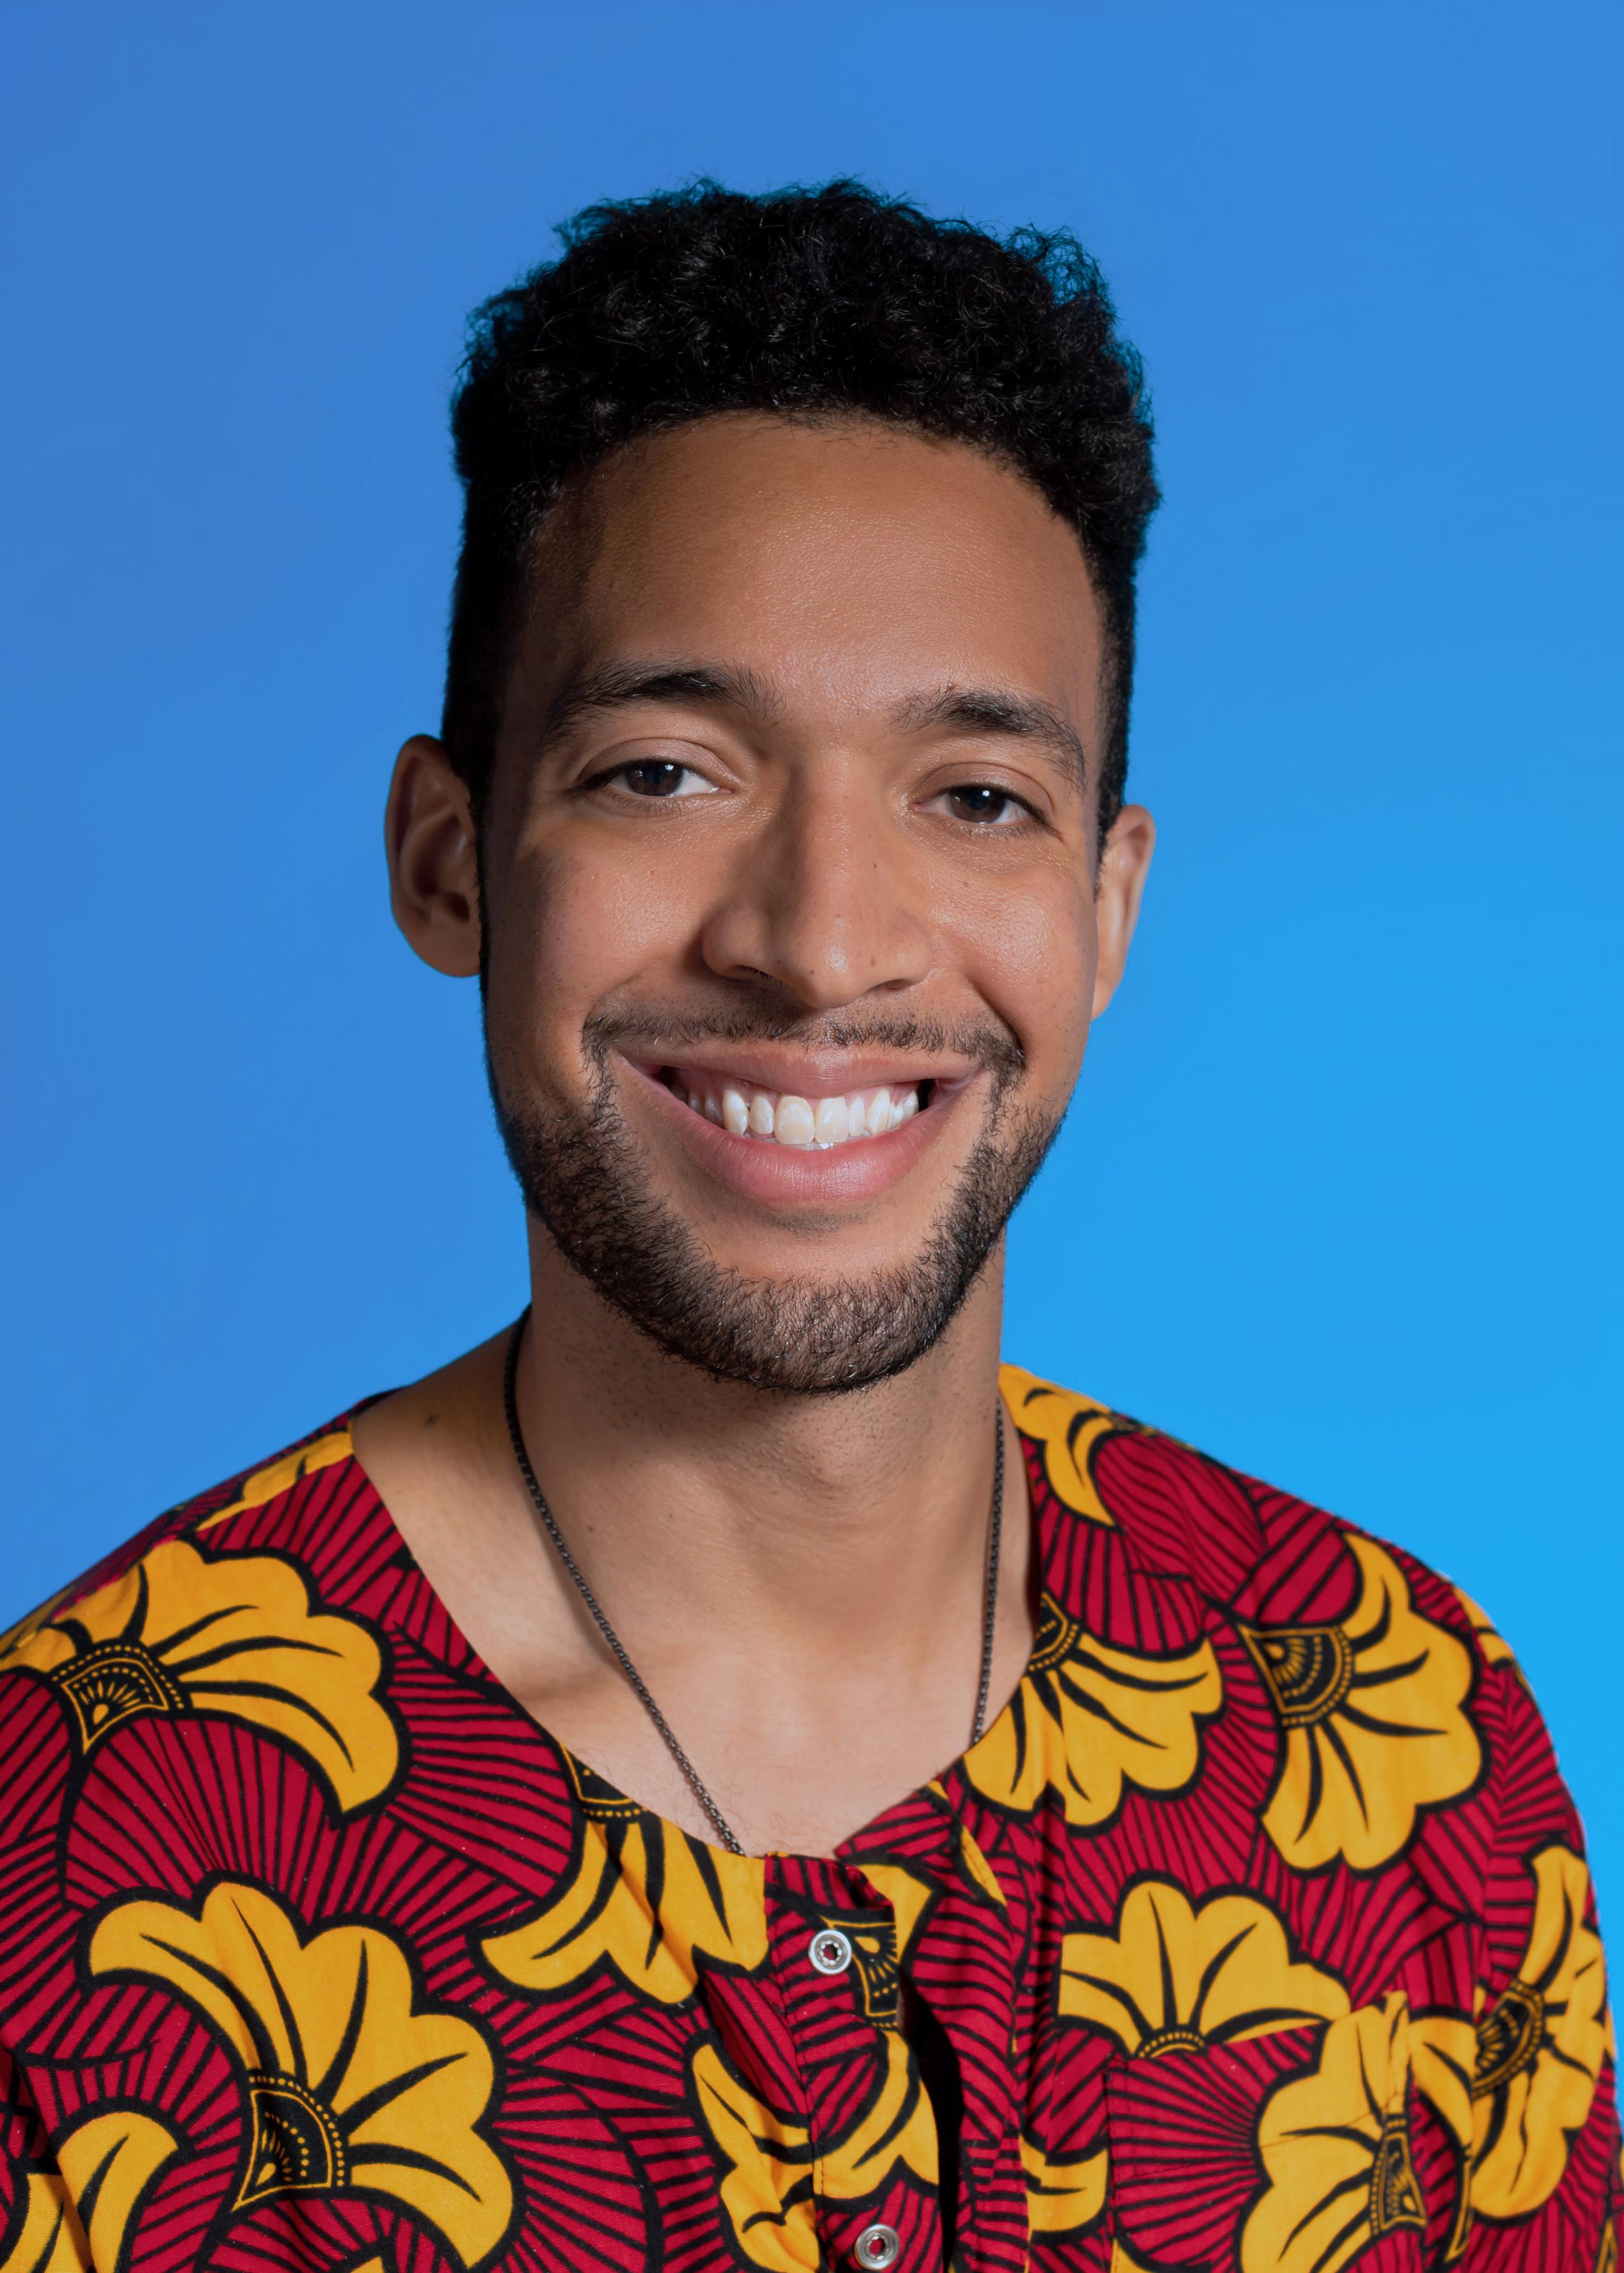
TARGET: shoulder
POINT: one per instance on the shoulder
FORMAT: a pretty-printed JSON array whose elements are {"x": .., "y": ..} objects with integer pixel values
[
  {"x": 244, "y": 1634},
  {"x": 1260, "y": 1552},
  {"x": 1392, "y": 1710},
  {"x": 102, "y": 1639},
  {"x": 278, "y": 1490}
]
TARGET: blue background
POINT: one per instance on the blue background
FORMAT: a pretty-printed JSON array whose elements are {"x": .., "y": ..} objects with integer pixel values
[{"x": 1339, "y": 1200}]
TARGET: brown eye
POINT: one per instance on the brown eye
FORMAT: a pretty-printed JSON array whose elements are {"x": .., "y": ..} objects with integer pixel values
[
  {"x": 656, "y": 780},
  {"x": 653, "y": 777},
  {"x": 978, "y": 801}
]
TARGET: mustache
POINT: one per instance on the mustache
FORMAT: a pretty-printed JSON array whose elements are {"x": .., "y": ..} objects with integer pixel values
[{"x": 986, "y": 1042}]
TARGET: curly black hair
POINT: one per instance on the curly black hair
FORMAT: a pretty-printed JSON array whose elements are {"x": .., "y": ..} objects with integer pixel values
[{"x": 670, "y": 308}]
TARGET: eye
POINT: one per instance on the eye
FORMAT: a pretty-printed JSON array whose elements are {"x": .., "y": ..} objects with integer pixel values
[
  {"x": 983, "y": 803},
  {"x": 661, "y": 777}
]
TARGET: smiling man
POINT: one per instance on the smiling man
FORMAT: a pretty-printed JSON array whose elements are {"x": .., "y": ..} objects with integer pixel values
[{"x": 719, "y": 1775}]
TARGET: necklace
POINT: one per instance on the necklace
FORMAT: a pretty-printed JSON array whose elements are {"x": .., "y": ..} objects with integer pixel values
[{"x": 691, "y": 1775}]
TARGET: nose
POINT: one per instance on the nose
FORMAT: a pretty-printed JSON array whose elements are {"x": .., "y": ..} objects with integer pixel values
[{"x": 821, "y": 902}]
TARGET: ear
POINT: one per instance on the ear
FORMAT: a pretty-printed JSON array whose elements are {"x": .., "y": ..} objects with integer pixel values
[
  {"x": 433, "y": 869},
  {"x": 1119, "y": 888}
]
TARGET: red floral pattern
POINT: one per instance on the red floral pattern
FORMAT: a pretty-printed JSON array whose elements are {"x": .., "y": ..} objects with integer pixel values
[{"x": 1255, "y": 1933}]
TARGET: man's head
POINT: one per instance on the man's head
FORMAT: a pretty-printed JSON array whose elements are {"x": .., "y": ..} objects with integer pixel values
[
  {"x": 783, "y": 755},
  {"x": 804, "y": 304}
]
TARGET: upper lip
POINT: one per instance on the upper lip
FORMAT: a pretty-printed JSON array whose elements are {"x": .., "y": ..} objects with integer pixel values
[{"x": 806, "y": 1073}]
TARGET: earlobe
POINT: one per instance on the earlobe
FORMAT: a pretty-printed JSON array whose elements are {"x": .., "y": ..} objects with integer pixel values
[
  {"x": 1125, "y": 863},
  {"x": 433, "y": 866}
]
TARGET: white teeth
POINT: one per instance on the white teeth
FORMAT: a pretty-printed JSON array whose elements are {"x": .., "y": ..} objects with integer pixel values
[
  {"x": 831, "y": 1122},
  {"x": 795, "y": 1123},
  {"x": 800, "y": 1122}
]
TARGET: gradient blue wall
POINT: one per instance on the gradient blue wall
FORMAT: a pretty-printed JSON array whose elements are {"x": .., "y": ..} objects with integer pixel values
[{"x": 1339, "y": 1200}]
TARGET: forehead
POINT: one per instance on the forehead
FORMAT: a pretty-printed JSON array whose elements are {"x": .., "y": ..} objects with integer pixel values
[{"x": 850, "y": 563}]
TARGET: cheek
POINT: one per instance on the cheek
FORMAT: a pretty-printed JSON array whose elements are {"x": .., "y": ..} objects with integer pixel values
[
  {"x": 1032, "y": 952},
  {"x": 568, "y": 931}
]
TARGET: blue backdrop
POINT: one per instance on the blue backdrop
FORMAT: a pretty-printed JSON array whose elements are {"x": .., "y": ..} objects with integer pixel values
[{"x": 1339, "y": 1200}]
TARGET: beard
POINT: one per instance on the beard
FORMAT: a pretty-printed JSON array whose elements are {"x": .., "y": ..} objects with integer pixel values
[{"x": 583, "y": 1176}]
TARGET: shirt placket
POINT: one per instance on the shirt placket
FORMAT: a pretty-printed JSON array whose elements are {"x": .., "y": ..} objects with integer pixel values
[
  {"x": 833, "y": 1942},
  {"x": 966, "y": 1960}
]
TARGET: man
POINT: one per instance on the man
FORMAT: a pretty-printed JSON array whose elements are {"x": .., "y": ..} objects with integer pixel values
[{"x": 705, "y": 1780}]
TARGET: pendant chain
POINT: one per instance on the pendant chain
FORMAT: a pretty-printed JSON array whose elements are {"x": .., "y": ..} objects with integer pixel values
[{"x": 691, "y": 1775}]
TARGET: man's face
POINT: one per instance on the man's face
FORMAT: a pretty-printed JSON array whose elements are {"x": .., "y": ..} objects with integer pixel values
[{"x": 792, "y": 938}]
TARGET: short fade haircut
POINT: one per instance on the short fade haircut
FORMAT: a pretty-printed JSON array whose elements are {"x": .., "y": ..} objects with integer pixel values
[{"x": 804, "y": 303}]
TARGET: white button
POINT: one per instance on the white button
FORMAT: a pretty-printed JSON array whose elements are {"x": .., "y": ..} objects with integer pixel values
[
  {"x": 830, "y": 1952},
  {"x": 876, "y": 2247}
]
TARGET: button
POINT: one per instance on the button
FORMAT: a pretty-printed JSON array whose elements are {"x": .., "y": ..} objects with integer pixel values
[
  {"x": 830, "y": 1952},
  {"x": 876, "y": 2247}
]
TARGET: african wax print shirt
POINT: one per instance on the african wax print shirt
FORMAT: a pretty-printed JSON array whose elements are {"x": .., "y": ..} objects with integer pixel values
[{"x": 1255, "y": 1933}]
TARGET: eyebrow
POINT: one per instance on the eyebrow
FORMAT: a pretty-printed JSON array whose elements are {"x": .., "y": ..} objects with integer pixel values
[
  {"x": 967, "y": 710},
  {"x": 718, "y": 685},
  {"x": 993, "y": 711}
]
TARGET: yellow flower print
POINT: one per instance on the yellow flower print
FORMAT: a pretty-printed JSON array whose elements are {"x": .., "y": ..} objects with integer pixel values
[
  {"x": 645, "y": 1896},
  {"x": 1087, "y": 1719},
  {"x": 1175, "y": 1977},
  {"x": 977, "y": 1870},
  {"x": 1496, "y": 1649},
  {"x": 1373, "y": 1729},
  {"x": 14, "y": 1638},
  {"x": 897, "y": 2125},
  {"x": 182, "y": 1632},
  {"x": 348, "y": 2085},
  {"x": 1540, "y": 2046},
  {"x": 1070, "y": 1428},
  {"x": 766, "y": 2186},
  {"x": 1442, "y": 2046},
  {"x": 1061, "y": 2195},
  {"x": 1335, "y": 2146},
  {"x": 282, "y": 1475},
  {"x": 767, "y": 2179},
  {"x": 107, "y": 2163},
  {"x": 912, "y": 1892},
  {"x": 50, "y": 2239}
]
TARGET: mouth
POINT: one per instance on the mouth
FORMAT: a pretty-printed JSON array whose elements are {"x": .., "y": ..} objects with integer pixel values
[
  {"x": 804, "y": 1123},
  {"x": 812, "y": 1136}
]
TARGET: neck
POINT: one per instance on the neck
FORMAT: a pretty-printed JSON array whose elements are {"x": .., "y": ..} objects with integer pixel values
[
  {"x": 801, "y": 1580},
  {"x": 807, "y": 1516}
]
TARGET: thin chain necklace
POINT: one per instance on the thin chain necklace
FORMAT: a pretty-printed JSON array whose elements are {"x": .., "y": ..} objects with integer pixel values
[{"x": 691, "y": 1775}]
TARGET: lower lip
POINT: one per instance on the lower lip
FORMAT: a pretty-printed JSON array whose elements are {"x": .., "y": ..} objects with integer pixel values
[{"x": 787, "y": 1175}]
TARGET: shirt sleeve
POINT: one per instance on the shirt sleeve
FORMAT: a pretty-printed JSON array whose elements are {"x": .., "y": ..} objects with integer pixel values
[{"x": 1544, "y": 2187}]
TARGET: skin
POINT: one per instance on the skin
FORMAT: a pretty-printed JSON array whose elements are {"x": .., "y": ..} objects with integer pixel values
[{"x": 825, "y": 1552}]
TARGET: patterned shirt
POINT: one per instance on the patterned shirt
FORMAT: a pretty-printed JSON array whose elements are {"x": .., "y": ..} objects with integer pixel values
[{"x": 1255, "y": 1933}]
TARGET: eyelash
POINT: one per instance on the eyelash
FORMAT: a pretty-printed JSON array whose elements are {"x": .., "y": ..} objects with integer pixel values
[
  {"x": 952, "y": 789},
  {"x": 640, "y": 765},
  {"x": 1024, "y": 811}
]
